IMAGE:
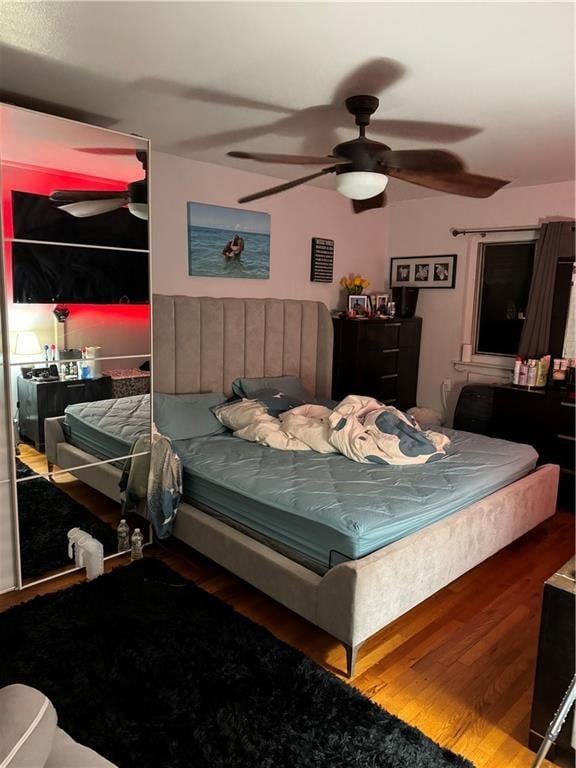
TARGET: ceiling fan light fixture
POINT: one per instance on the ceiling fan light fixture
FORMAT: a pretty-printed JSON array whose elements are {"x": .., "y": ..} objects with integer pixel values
[
  {"x": 361, "y": 185},
  {"x": 140, "y": 210}
]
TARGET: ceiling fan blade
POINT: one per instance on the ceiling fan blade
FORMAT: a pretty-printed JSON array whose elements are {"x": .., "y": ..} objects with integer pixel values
[
  {"x": 374, "y": 76},
  {"x": 85, "y": 208},
  {"x": 430, "y": 160},
  {"x": 287, "y": 185},
  {"x": 466, "y": 184},
  {"x": 207, "y": 95},
  {"x": 378, "y": 201},
  {"x": 423, "y": 130},
  {"x": 262, "y": 157},
  {"x": 79, "y": 195}
]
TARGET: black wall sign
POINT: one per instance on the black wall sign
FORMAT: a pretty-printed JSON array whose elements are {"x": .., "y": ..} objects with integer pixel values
[{"x": 322, "y": 263}]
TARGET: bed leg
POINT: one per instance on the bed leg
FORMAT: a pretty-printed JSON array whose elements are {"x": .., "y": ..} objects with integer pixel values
[{"x": 351, "y": 654}]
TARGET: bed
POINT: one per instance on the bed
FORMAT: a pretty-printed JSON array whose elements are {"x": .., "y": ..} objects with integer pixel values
[{"x": 329, "y": 553}]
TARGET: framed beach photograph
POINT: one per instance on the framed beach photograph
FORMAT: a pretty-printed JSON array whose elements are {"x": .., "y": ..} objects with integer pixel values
[
  {"x": 423, "y": 271},
  {"x": 359, "y": 306},
  {"x": 228, "y": 242}
]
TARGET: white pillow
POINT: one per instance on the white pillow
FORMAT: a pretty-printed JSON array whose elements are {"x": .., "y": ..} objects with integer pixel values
[{"x": 241, "y": 413}]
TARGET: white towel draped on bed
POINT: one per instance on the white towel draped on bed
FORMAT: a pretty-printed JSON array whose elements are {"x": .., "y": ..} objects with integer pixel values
[{"x": 360, "y": 428}]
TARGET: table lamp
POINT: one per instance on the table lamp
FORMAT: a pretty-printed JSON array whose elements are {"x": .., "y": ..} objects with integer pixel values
[{"x": 27, "y": 344}]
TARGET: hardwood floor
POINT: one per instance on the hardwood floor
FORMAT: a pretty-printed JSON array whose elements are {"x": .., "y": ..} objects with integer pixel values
[{"x": 459, "y": 666}]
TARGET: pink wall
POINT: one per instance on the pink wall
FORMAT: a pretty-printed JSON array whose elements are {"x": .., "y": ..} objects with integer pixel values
[
  {"x": 296, "y": 217},
  {"x": 423, "y": 227}
]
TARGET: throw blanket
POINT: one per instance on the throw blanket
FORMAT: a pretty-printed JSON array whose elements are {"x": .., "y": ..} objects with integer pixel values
[
  {"x": 156, "y": 478},
  {"x": 360, "y": 428}
]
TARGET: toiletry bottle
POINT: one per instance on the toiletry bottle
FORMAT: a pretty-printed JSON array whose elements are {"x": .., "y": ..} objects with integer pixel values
[
  {"x": 123, "y": 534},
  {"x": 137, "y": 545},
  {"x": 523, "y": 376},
  {"x": 516, "y": 375}
]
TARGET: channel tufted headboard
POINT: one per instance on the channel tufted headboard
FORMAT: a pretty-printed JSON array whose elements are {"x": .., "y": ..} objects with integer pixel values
[{"x": 203, "y": 344}]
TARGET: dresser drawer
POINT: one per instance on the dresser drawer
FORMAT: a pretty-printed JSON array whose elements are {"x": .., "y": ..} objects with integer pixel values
[
  {"x": 385, "y": 389},
  {"x": 379, "y": 363},
  {"x": 560, "y": 450},
  {"x": 379, "y": 336},
  {"x": 564, "y": 415}
]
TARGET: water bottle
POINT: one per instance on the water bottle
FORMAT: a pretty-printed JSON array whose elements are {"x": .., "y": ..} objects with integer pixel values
[
  {"x": 123, "y": 534},
  {"x": 137, "y": 544}
]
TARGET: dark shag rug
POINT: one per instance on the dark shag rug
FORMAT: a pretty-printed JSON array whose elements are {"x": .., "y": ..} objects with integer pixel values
[
  {"x": 153, "y": 672},
  {"x": 45, "y": 515}
]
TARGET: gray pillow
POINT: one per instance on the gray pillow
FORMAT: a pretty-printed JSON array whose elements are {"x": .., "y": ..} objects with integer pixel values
[
  {"x": 289, "y": 385},
  {"x": 183, "y": 416}
]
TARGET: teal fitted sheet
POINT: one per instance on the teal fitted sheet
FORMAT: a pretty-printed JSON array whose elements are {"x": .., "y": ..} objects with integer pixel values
[
  {"x": 325, "y": 507},
  {"x": 107, "y": 428}
]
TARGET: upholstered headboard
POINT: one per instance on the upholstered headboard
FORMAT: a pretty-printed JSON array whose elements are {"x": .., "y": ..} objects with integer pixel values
[{"x": 203, "y": 344}]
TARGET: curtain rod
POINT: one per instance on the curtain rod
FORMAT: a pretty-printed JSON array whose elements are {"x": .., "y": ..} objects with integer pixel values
[{"x": 482, "y": 232}]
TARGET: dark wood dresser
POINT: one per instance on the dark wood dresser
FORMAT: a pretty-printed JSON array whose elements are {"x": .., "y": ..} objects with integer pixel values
[
  {"x": 555, "y": 663},
  {"x": 377, "y": 358},
  {"x": 39, "y": 400},
  {"x": 543, "y": 419}
]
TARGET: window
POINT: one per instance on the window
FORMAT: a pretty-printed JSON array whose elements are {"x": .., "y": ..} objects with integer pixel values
[
  {"x": 569, "y": 349},
  {"x": 503, "y": 285}
]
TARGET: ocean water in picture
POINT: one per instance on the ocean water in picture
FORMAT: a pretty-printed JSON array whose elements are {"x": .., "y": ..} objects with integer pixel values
[{"x": 228, "y": 242}]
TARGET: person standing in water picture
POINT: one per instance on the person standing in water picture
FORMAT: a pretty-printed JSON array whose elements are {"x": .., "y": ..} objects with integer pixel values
[
  {"x": 234, "y": 248},
  {"x": 228, "y": 242}
]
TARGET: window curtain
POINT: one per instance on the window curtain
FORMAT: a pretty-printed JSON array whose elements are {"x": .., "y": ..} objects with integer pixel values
[{"x": 556, "y": 241}]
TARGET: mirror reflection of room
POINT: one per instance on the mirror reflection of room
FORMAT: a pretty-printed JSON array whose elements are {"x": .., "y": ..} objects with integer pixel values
[{"x": 76, "y": 279}]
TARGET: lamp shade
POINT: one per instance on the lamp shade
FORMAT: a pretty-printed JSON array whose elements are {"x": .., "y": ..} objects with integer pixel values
[
  {"x": 27, "y": 344},
  {"x": 361, "y": 185}
]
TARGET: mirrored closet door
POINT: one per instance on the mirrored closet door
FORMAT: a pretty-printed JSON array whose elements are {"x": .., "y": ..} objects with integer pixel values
[{"x": 76, "y": 305}]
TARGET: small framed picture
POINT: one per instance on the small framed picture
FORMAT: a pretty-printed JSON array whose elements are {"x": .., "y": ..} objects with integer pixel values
[
  {"x": 359, "y": 306},
  {"x": 423, "y": 271},
  {"x": 380, "y": 306}
]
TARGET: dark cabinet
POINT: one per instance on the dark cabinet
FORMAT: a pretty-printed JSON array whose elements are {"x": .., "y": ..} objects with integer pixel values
[
  {"x": 555, "y": 663},
  {"x": 543, "y": 419},
  {"x": 39, "y": 400},
  {"x": 377, "y": 358}
]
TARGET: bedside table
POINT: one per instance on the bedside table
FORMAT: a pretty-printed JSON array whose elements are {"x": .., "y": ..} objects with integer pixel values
[{"x": 39, "y": 400}]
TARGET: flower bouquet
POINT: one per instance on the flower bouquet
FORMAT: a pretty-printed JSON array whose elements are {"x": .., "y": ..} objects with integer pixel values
[{"x": 354, "y": 284}]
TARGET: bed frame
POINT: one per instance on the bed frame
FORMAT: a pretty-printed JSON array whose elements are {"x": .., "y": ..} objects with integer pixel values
[{"x": 202, "y": 345}]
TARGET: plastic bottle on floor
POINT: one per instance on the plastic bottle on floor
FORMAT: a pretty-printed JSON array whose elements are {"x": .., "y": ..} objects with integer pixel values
[
  {"x": 137, "y": 544},
  {"x": 123, "y": 534}
]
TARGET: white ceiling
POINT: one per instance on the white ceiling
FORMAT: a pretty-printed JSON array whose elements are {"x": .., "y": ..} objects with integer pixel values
[{"x": 200, "y": 79}]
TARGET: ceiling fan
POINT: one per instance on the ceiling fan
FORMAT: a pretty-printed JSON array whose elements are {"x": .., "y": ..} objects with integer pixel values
[
  {"x": 83, "y": 203},
  {"x": 363, "y": 166}
]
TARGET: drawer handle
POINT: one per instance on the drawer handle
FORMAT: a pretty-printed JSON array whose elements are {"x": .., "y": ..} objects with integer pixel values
[
  {"x": 390, "y": 376},
  {"x": 393, "y": 325},
  {"x": 390, "y": 400},
  {"x": 566, "y": 437},
  {"x": 73, "y": 386},
  {"x": 568, "y": 405},
  {"x": 389, "y": 351}
]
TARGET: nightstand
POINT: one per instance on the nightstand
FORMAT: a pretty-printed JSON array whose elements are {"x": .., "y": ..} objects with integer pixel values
[{"x": 39, "y": 400}]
